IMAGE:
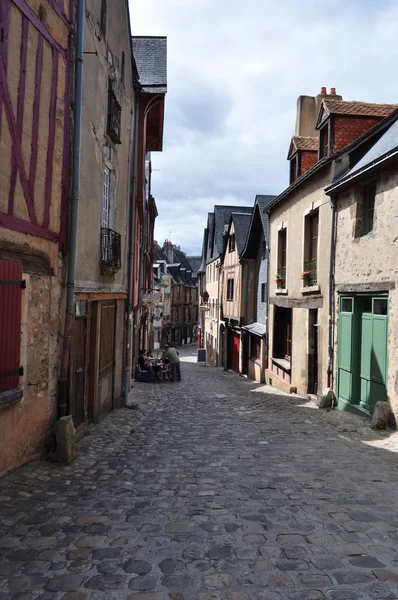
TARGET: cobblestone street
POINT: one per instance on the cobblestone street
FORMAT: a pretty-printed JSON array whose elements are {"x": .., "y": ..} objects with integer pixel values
[{"x": 210, "y": 491}]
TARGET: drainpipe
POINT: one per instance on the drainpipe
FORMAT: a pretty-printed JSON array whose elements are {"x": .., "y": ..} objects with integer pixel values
[
  {"x": 267, "y": 252},
  {"x": 74, "y": 211},
  {"x": 130, "y": 256},
  {"x": 331, "y": 295}
]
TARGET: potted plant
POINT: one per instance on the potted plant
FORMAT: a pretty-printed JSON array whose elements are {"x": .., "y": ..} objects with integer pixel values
[
  {"x": 279, "y": 278},
  {"x": 306, "y": 275}
]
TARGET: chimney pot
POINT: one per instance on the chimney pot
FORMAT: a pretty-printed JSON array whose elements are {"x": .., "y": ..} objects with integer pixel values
[
  {"x": 332, "y": 91},
  {"x": 323, "y": 90}
]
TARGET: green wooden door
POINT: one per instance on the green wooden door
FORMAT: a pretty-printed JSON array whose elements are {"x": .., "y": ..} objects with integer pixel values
[
  {"x": 345, "y": 352},
  {"x": 373, "y": 356}
]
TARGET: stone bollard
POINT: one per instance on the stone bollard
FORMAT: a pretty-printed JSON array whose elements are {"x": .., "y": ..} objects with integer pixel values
[
  {"x": 328, "y": 399},
  {"x": 66, "y": 440},
  {"x": 383, "y": 416}
]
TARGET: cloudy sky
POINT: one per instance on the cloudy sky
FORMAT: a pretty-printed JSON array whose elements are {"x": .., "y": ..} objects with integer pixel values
[{"x": 235, "y": 70}]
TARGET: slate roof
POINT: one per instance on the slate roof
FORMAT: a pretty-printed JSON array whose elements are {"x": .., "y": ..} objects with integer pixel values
[
  {"x": 195, "y": 262},
  {"x": 222, "y": 215},
  {"x": 384, "y": 148},
  {"x": 150, "y": 55},
  {"x": 354, "y": 108},
  {"x": 202, "y": 267},
  {"x": 260, "y": 205},
  {"x": 241, "y": 223}
]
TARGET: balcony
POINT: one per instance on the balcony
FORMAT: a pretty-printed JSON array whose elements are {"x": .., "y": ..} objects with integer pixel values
[{"x": 110, "y": 251}]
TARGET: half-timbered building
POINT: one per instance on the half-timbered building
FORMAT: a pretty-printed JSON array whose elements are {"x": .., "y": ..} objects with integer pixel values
[{"x": 35, "y": 76}]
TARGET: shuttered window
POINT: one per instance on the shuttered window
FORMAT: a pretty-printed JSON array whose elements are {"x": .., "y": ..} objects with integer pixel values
[{"x": 10, "y": 324}]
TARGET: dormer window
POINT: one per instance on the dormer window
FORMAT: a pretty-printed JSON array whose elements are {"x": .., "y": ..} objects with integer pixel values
[
  {"x": 231, "y": 242},
  {"x": 294, "y": 168},
  {"x": 324, "y": 141}
]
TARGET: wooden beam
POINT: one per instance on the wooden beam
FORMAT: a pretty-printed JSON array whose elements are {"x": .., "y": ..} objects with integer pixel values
[
  {"x": 20, "y": 110},
  {"x": 100, "y": 296},
  {"x": 34, "y": 19},
  {"x": 51, "y": 139}
]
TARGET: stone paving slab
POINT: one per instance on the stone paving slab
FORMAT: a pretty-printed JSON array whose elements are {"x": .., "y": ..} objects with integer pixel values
[{"x": 207, "y": 492}]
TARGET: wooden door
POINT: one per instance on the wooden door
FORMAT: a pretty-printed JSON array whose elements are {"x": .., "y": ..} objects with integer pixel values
[
  {"x": 79, "y": 387},
  {"x": 107, "y": 355},
  {"x": 345, "y": 352},
  {"x": 233, "y": 351},
  {"x": 373, "y": 354}
]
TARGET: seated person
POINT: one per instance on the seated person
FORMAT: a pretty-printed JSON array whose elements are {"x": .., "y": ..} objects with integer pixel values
[{"x": 142, "y": 361}]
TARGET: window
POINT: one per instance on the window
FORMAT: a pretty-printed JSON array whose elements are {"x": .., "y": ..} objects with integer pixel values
[
  {"x": 294, "y": 171},
  {"x": 103, "y": 17},
  {"x": 230, "y": 289},
  {"x": 231, "y": 242},
  {"x": 255, "y": 347},
  {"x": 282, "y": 346},
  {"x": 114, "y": 116},
  {"x": 346, "y": 305},
  {"x": 324, "y": 145},
  {"x": 369, "y": 193},
  {"x": 264, "y": 250},
  {"x": 380, "y": 306},
  {"x": 105, "y": 199},
  {"x": 123, "y": 68},
  {"x": 311, "y": 249},
  {"x": 281, "y": 275},
  {"x": 263, "y": 292}
]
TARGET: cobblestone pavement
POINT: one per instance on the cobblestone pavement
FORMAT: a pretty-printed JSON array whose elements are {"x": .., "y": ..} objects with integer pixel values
[{"x": 207, "y": 492}]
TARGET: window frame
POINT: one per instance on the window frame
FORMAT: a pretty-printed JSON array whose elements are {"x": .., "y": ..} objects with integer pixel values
[
  {"x": 368, "y": 193},
  {"x": 255, "y": 348},
  {"x": 230, "y": 289}
]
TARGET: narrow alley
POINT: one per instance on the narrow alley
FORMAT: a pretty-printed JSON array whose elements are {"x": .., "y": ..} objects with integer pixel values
[{"x": 209, "y": 491}]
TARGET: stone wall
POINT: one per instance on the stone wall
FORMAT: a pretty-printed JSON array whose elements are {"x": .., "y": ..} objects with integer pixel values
[{"x": 372, "y": 259}]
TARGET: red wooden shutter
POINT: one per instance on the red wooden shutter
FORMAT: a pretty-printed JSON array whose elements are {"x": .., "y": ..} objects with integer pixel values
[{"x": 10, "y": 323}]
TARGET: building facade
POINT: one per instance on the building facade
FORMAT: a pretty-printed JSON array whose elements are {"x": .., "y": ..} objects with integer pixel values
[
  {"x": 35, "y": 84},
  {"x": 237, "y": 291},
  {"x": 366, "y": 277},
  {"x": 300, "y": 346},
  {"x": 255, "y": 259}
]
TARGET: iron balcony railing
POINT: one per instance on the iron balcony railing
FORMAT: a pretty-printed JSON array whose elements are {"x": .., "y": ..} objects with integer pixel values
[
  {"x": 281, "y": 278},
  {"x": 310, "y": 273},
  {"x": 110, "y": 249}
]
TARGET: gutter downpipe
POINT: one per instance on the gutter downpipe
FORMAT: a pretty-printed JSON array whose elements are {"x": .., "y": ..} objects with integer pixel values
[
  {"x": 74, "y": 212},
  {"x": 267, "y": 294},
  {"x": 331, "y": 293},
  {"x": 130, "y": 269}
]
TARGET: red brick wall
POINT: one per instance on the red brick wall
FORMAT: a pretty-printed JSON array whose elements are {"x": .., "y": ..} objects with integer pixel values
[
  {"x": 348, "y": 129},
  {"x": 308, "y": 160}
]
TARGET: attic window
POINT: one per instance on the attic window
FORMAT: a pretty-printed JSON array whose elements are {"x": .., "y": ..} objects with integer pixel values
[
  {"x": 231, "y": 242},
  {"x": 324, "y": 141},
  {"x": 294, "y": 168}
]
